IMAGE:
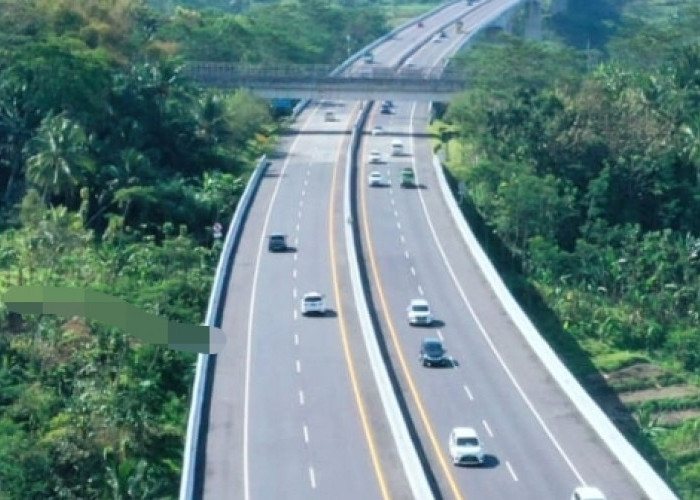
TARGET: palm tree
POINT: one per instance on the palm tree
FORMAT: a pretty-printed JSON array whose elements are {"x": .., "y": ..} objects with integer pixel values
[{"x": 59, "y": 160}]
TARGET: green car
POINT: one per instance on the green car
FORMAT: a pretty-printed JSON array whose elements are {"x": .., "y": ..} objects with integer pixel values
[{"x": 408, "y": 178}]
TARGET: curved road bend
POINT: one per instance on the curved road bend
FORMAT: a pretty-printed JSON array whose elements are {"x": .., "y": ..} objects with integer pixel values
[
  {"x": 537, "y": 444},
  {"x": 294, "y": 414}
]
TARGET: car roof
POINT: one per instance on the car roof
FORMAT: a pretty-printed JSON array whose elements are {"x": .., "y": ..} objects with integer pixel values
[
  {"x": 311, "y": 295},
  {"x": 277, "y": 235},
  {"x": 464, "y": 432},
  {"x": 589, "y": 492}
]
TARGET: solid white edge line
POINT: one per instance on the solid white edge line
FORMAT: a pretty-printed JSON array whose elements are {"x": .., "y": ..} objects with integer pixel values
[
  {"x": 251, "y": 313},
  {"x": 646, "y": 477},
  {"x": 484, "y": 334}
]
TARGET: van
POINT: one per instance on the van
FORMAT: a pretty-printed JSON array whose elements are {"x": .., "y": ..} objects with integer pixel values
[
  {"x": 408, "y": 178},
  {"x": 396, "y": 147}
]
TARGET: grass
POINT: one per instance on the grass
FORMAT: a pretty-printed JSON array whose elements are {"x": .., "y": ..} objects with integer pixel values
[{"x": 616, "y": 360}]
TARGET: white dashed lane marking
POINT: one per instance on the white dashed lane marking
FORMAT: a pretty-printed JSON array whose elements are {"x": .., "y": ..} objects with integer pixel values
[
  {"x": 488, "y": 429},
  {"x": 301, "y": 397},
  {"x": 312, "y": 477},
  {"x": 296, "y": 339},
  {"x": 413, "y": 270},
  {"x": 306, "y": 434},
  {"x": 298, "y": 366},
  {"x": 512, "y": 472},
  {"x": 420, "y": 289},
  {"x": 469, "y": 393},
  {"x": 406, "y": 254}
]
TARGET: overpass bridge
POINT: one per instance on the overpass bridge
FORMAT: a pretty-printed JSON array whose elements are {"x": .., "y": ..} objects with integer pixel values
[{"x": 369, "y": 82}]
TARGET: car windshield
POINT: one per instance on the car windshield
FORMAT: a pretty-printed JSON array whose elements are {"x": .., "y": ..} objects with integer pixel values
[
  {"x": 312, "y": 299},
  {"x": 420, "y": 308},
  {"x": 277, "y": 237},
  {"x": 433, "y": 348},
  {"x": 467, "y": 441}
]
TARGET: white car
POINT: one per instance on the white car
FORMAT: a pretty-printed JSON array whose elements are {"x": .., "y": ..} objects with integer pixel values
[
  {"x": 587, "y": 493},
  {"x": 313, "y": 303},
  {"x": 465, "y": 447},
  {"x": 378, "y": 130},
  {"x": 396, "y": 147},
  {"x": 375, "y": 178},
  {"x": 375, "y": 156},
  {"x": 419, "y": 312}
]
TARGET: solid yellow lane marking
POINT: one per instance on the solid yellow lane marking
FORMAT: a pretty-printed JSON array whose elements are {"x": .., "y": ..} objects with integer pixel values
[
  {"x": 369, "y": 436},
  {"x": 439, "y": 452}
]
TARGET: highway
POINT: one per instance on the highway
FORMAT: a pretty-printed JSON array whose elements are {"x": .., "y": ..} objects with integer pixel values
[
  {"x": 537, "y": 445},
  {"x": 295, "y": 412},
  {"x": 294, "y": 409}
]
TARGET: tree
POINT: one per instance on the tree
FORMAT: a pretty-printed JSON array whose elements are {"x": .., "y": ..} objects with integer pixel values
[{"x": 58, "y": 158}]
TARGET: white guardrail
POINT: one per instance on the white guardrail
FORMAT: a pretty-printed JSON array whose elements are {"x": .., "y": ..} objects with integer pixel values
[
  {"x": 650, "y": 482},
  {"x": 199, "y": 406}
]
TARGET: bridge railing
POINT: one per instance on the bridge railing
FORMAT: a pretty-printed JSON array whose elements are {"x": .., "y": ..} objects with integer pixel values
[{"x": 211, "y": 72}]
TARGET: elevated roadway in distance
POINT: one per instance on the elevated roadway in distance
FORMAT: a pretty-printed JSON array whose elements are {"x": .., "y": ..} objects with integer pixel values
[
  {"x": 537, "y": 444},
  {"x": 362, "y": 81},
  {"x": 294, "y": 412}
]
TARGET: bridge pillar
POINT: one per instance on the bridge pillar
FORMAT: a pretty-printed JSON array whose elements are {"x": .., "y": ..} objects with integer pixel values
[{"x": 533, "y": 23}]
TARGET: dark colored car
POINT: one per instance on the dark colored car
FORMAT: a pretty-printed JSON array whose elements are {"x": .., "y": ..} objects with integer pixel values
[
  {"x": 277, "y": 243},
  {"x": 432, "y": 353}
]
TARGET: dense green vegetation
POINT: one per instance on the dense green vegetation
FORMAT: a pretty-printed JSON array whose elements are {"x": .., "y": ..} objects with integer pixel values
[
  {"x": 584, "y": 184},
  {"x": 113, "y": 169}
]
